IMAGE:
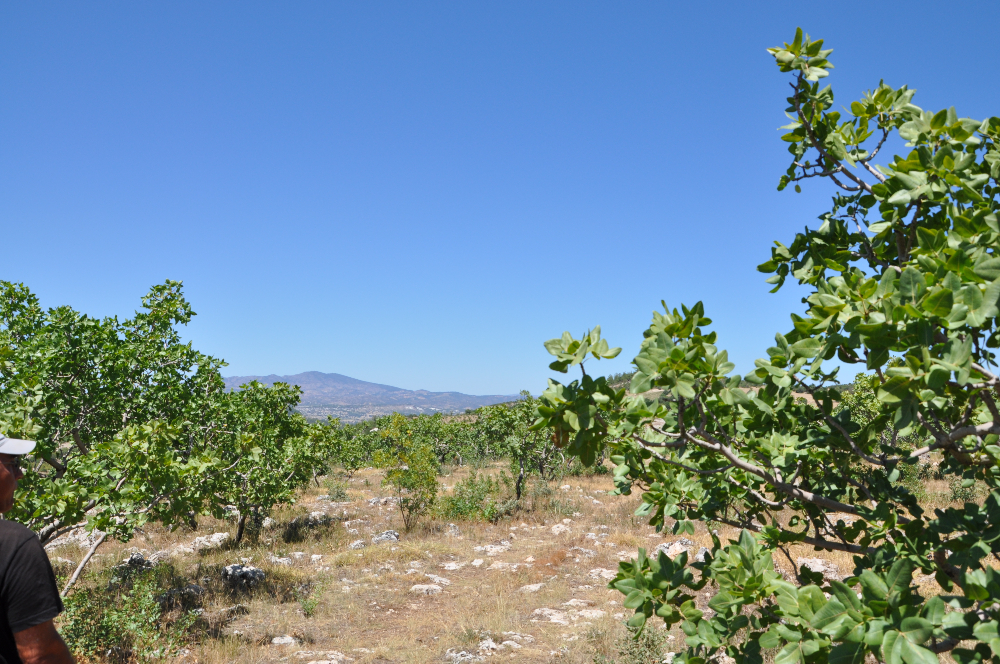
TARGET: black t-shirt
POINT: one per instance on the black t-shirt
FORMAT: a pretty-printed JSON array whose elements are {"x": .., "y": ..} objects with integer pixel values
[{"x": 28, "y": 592}]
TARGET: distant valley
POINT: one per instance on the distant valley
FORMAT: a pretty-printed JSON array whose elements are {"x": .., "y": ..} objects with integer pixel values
[{"x": 353, "y": 400}]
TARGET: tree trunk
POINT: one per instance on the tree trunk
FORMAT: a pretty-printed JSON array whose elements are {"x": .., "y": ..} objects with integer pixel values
[
  {"x": 520, "y": 479},
  {"x": 241, "y": 528}
]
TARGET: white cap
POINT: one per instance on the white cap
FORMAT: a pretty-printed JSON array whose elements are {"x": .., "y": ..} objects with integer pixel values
[{"x": 15, "y": 446}]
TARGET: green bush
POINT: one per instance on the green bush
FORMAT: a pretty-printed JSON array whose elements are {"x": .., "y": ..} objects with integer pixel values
[
  {"x": 962, "y": 491},
  {"x": 308, "y": 597},
  {"x": 575, "y": 468},
  {"x": 478, "y": 497},
  {"x": 124, "y": 621},
  {"x": 410, "y": 470},
  {"x": 647, "y": 648},
  {"x": 336, "y": 489}
]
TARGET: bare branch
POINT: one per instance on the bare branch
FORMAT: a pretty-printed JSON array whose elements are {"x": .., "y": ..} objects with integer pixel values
[
  {"x": 865, "y": 162},
  {"x": 83, "y": 563}
]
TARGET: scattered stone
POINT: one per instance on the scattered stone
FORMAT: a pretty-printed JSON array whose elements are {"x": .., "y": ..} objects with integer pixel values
[
  {"x": 453, "y": 530},
  {"x": 829, "y": 570},
  {"x": 243, "y": 576},
  {"x": 297, "y": 555},
  {"x": 592, "y": 614},
  {"x": 213, "y": 541},
  {"x": 589, "y": 553},
  {"x": 78, "y": 536},
  {"x": 134, "y": 562},
  {"x": 158, "y": 557},
  {"x": 502, "y": 546},
  {"x": 487, "y": 646},
  {"x": 673, "y": 549},
  {"x": 230, "y": 612},
  {"x": 532, "y": 587},
  {"x": 199, "y": 544},
  {"x": 190, "y": 592},
  {"x": 700, "y": 556},
  {"x": 283, "y": 640},
  {"x": 386, "y": 536},
  {"x": 461, "y": 657},
  {"x": 550, "y": 616},
  {"x": 498, "y": 566},
  {"x": 559, "y": 529},
  {"x": 529, "y": 559},
  {"x": 331, "y": 657},
  {"x": 577, "y": 603},
  {"x": 311, "y": 520},
  {"x": 565, "y": 487},
  {"x": 477, "y": 562},
  {"x": 268, "y": 523},
  {"x": 425, "y": 589},
  {"x": 357, "y": 544},
  {"x": 848, "y": 519},
  {"x": 451, "y": 567},
  {"x": 323, "y": 497},
  {"x": 601, "y": 573},
  {"x": 280, "y": 561},
  {"x": 440, "y": 580},
  {"x": 520, "y": 638},
  {"x": 382, "y": 501},
  {"x": 315, "y": 558}
]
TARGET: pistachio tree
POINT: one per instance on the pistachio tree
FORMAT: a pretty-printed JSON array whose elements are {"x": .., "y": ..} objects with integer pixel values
[
  {"x": 114, "y": 405},
  {"x": 507, "y": 429},
  {"x": 902, "y": 279},
  {"x": 134, "y": 426}
]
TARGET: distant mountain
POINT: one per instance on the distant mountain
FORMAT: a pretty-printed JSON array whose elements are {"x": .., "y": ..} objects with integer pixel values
[{"x": 353, "y": 400}]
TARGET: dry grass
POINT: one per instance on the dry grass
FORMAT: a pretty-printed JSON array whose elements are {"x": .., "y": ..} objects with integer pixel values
[{"x": 365, "y": 609}]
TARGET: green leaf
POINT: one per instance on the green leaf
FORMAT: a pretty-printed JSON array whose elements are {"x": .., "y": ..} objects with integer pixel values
[
  {"x": 845, "y": 594},
  {"x": 892, "y": 647},
  {"x": 916, "y": 630},
  {"x": 985, "y": 631},
  {"x": 846, "y": 653},
  {"x": 790, "y": 654},
  {"x": 911, "y": 285},
  {"x": 988, "y": 269},
  {"x": 871, "y": 582},
  {"x": 807, "y": 347},
  {"x": 900, "y": 575},
  {"x": 939, "y": 302},
  {"x": 894, "y": 390},
  {"x": 770, "y": 639},
  {"x": 833, "y": 619},
  {"x": 901, "y": 197}
]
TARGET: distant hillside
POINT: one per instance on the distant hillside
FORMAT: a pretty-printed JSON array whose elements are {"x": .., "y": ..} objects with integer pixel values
[{"x": 352, "y": 400}]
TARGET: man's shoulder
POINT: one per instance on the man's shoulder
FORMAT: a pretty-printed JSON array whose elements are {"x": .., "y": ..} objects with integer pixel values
[{"x": 13, "y": 533}]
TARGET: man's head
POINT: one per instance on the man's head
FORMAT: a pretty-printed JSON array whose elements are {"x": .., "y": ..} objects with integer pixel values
[{"x": 11, "y": 450}]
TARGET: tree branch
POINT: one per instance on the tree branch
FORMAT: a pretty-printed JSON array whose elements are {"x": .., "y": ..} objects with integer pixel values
[{"x": 83, "y": 563}]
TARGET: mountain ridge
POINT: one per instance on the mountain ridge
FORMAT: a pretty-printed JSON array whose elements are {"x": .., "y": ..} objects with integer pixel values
[{"x": 353, "y": 399}]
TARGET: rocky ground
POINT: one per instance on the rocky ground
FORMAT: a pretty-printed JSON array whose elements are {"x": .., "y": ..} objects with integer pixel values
[{"x": 339, "y": 581}]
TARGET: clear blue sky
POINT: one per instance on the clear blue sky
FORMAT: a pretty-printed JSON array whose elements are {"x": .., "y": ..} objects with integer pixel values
[{"x": 421, "y": 193}]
